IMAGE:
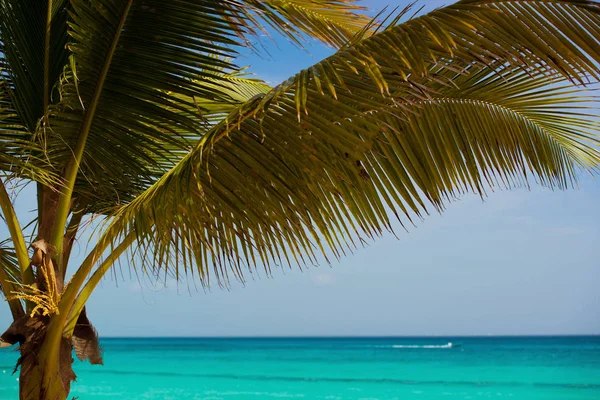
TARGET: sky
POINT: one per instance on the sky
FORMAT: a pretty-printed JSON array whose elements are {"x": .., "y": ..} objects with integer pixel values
[{"x": 522, "y": 262}]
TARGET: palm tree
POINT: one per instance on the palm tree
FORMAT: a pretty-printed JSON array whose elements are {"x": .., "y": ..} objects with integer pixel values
[{"x": 134, "y": 112}]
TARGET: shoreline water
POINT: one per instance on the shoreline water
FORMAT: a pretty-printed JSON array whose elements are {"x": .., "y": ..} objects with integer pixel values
[{"x": 549, "y": 367}]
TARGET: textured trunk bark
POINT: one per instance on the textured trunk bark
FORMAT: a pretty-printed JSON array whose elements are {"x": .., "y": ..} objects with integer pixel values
[
  {"x": 32, "y": 385},
  {"x": 47, "y": 215},
  {"x": 40, "y": 378}
]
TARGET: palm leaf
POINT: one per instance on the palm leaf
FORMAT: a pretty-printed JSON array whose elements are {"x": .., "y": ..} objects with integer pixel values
[
  {"x": 111, "y": 187},
  {"x": 8, "y": 263},
  {"x": 19, "y": 157},
  {"x": 140, "y": 78},
  {"x": 391, "y": 125},
  {"x": 23, "y": 51},
  {"x": 332, "y": 22},
  {"x": 10, "y": 278},
  {"x": 238, "y": 88}
]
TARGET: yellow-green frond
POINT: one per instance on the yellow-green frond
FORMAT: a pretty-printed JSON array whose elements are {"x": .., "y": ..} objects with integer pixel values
[
  {"x": 18, "y": 155},
  {"x": 8, "y": 263},
  {"x": 392, "y": 126},
  {"x": 332, "y": 22}
]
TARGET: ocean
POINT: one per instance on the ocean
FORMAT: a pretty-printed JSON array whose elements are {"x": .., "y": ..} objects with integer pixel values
[{"x": 335, "y": 368}]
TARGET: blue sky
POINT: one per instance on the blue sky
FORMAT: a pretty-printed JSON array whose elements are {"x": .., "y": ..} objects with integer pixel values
[{"x": 522, "y": 262}]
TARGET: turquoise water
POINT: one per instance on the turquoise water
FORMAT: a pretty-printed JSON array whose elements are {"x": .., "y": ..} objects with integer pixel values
[{"x": 336, "y": 368}]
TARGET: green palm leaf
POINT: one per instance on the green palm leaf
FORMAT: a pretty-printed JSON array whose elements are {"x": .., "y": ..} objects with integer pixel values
[
  {"x": 18, "y": 155},
  {"x": 8, "y": 263},
  {"x": 10, "y": 278},
  {"x": 105, "y": 186},
  {"x": 332, "y": 22},
  {"x": 123, "y": 82},
  {"x": 141, "y": 77},
  {"x": 400, "y": 121},
  {"x": 237, "y": 89},
  {"x": 23, "y": 54}
]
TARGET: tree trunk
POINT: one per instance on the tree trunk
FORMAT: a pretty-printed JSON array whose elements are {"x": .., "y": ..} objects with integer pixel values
[
  {"x": 31, "y": 377},
  {"x": 41, "y": 378}
]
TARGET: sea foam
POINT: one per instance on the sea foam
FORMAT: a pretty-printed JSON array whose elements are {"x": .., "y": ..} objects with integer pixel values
[{"x": 417, "y": 346}]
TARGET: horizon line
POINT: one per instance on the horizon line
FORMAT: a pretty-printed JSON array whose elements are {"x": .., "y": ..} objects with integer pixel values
[{"x": 357, "y": 336}]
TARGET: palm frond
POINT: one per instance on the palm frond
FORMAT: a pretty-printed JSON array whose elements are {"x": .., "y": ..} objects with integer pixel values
[
  {"x": 22, "y": 44},
  {"x": 332, "y": 22},
  {"x": 19, "y": 157},
  {"x": 121, "y": 97},
  {"x": 238, "y": 88},
  {"x": 10, "y": 278},
  {"x": 105, "y": 186},
  {"x": 142, "y": 81},
  {"x": 8, "y": 263},
  {"x": 464, "y": 98}
]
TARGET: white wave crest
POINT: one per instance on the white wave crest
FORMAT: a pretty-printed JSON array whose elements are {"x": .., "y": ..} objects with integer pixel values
[{"x": 449, "y": 345}]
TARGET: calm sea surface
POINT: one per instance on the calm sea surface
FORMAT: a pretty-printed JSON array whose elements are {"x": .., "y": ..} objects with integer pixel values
[{"x": 336, "y": 368}]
